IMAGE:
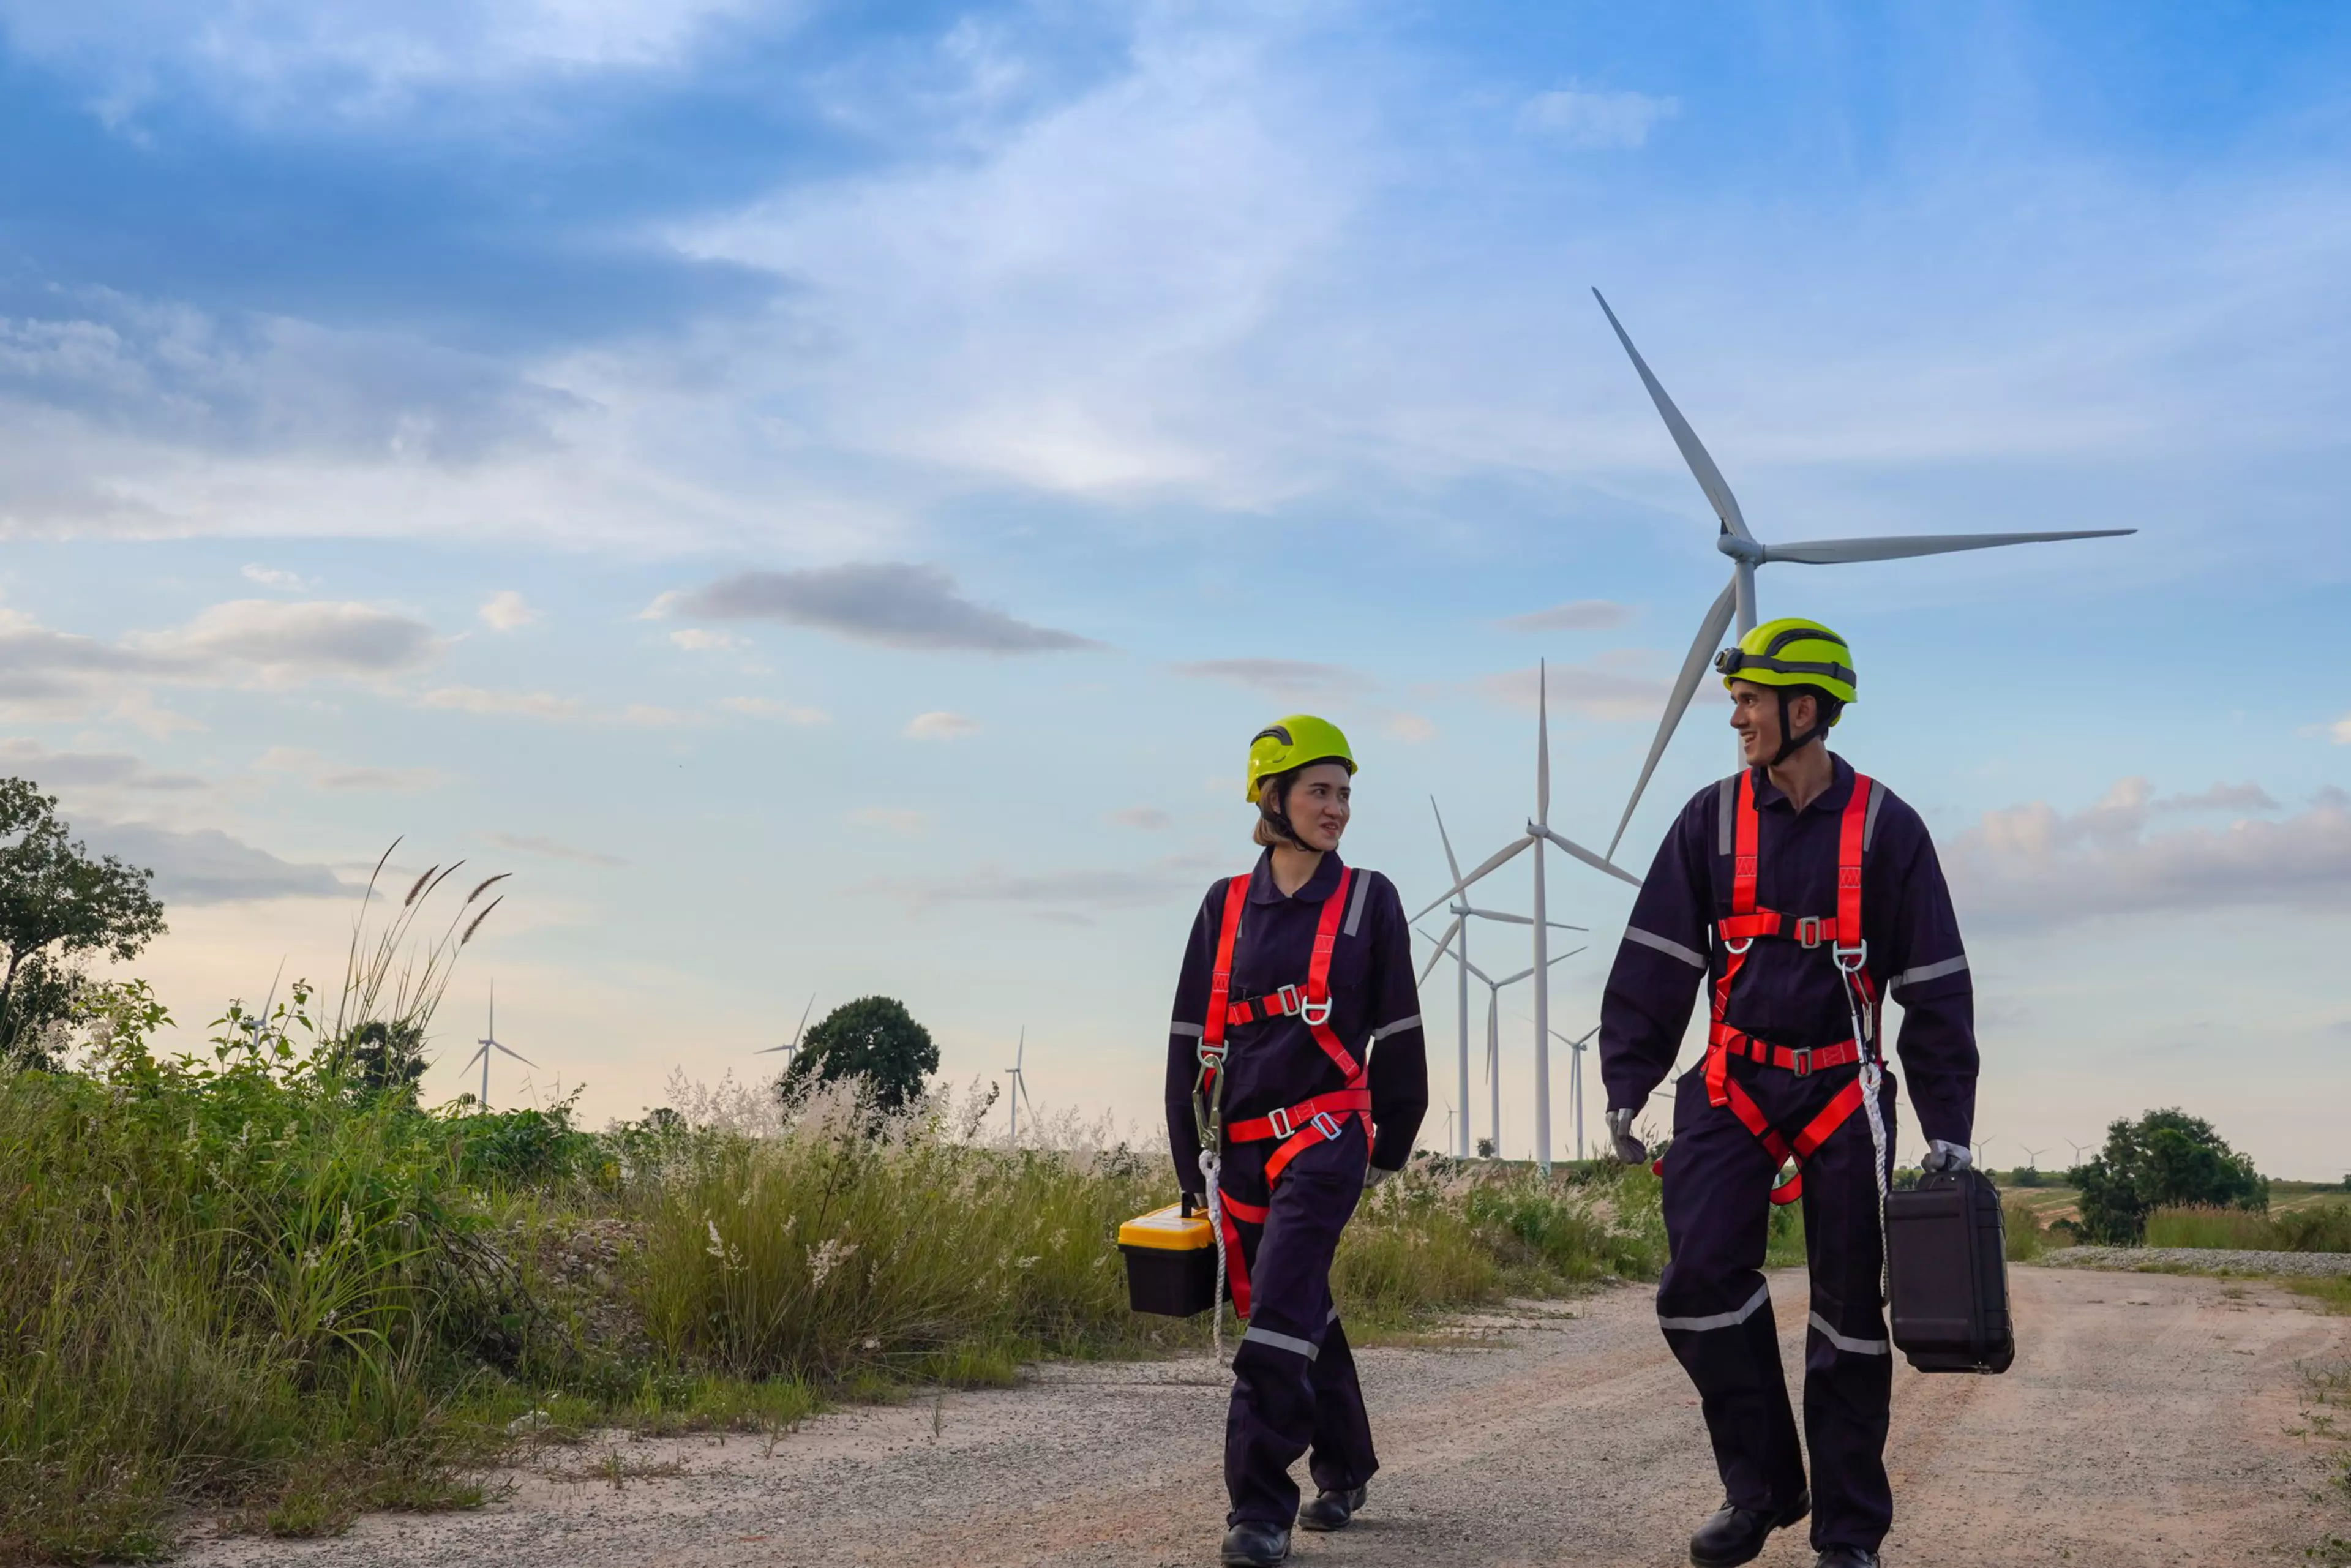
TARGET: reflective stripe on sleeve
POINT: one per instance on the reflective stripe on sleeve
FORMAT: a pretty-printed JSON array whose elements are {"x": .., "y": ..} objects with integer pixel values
[
  {"x": 1355, "y": 908},
  {"x": 1719, "y": 1319},
  {"x": 1666, "y": 944},
  {"x": 1728, "y": 790},
  {"x": 1398, "y": 1027},
  {"x": 1195, "y": 1030},
  {"x": 1925, "y": 972},
  {"x": 1289, "y": 1343},
  {"x": 1869, "y": 827},
  {"x": 1849, "y": 1346}
]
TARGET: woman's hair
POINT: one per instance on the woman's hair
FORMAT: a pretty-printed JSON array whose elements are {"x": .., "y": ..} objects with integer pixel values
[{"x": 1274, "y": 809}]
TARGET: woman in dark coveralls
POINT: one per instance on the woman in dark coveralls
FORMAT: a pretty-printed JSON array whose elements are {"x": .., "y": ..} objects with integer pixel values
[{"x": 1297, "y": 997}]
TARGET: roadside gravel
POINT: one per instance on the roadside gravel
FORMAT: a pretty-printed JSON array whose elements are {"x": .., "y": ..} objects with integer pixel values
[
  {"x": 2149, "y": 1419},
  {"x": 2205, "y": 1260}
]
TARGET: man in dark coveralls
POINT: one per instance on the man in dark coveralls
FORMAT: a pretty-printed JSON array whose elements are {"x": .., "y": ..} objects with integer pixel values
[{"x": 1745, "y": 895}]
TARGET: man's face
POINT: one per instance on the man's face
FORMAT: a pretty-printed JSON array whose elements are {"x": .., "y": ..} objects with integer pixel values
[{"x": 1755, "y": 714}]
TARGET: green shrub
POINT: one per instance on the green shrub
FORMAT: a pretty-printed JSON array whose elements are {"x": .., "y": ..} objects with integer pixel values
[
  {"x": 2320, "y": 1227},
  {"x": 2165, "y": 1159},
  {"x": 2027, "y": 1239},
  {"x": 2202, "y": 1225}
]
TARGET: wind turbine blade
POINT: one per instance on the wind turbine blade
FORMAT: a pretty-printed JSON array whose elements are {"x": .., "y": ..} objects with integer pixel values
[
  {"x": 1493, "y": 862},
  {"x": 1020, "y": 1051},
  {"x": 1542, "y": 741},
  {"x": 1563, "y": 958},
  {"x": 1021, "y": 1080},
  {"x": 804, "y": 1018},
  {"x": 518, "y": 1056},
  {"x": 1709, "y": 478},
  {"x": 476, "y": 1057},
  {"x": 1451, "y": 864},
  {"x": 1596, "y": 861},
  {"x": 1891, "y": 547},
  {"x": 1514, "y": 979},
  {"x": 1524, "y": 920},
  {"x": 1450, "y": 933},
  {"x": 1695, "y": 665},
  {"x": 1483, "y": 975}
]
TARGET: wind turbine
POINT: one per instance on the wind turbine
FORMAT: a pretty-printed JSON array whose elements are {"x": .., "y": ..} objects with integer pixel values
[
  {"x": 1747, "y": 552},
  {"x": 1494, "y": 1037},
  {"x": 2077, "y": 1149},
  {"x": 489, "y": 1043},
  {"x": 2033, "y": 1157},
  {"x": 790, "y": 1048},
  {"x": 1538, "y": 832},
  {"x": 1575, "y": 1079},
  {"x": 1020, "y": 1083},
  {"x": 1462, "y": 912}
]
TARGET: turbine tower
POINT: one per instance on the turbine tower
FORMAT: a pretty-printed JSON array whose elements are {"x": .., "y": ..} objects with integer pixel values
[
  {"x": 1019, "y": 1084},
  {"x": 1747, "y": 552},
  {"x": 489, "y": 1043},
  {"x": 1575, "y": 1079},
  {"x": 1539, "y": 833},
  {"x": 1493, "y": 1034}
]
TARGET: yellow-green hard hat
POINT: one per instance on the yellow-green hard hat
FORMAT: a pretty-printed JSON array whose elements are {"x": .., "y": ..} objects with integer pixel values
[
  {"x": 1293, "y": 742},
  {"x": 1790, "y": 652}
]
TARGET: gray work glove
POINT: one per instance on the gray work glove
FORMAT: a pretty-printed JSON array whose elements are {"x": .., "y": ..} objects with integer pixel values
[
  {"x": 1374, "y": 1175},
  {"x": 1942, "y": 1156},
  {"x": 1629, "y": 1150}
]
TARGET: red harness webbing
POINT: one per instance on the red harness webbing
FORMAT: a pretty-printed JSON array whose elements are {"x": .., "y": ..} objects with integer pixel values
[
  {"x": 1310, "y": 1122},
  {"x": 1842, "y": 933}
]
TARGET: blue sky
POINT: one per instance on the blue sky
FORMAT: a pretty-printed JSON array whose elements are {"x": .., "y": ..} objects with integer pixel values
[{"x": 824, "y": 494}]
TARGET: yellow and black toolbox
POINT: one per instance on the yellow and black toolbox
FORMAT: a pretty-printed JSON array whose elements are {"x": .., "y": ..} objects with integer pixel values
[{"x": 1171, "y": 1261}]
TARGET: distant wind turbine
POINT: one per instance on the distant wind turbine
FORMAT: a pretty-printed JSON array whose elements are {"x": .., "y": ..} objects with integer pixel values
[
  {"x": 1575, "y": 1079},
  {"x": 2077, "y": 1149},
  {"x": 1539, "y": 833},
  {"x": 2033, "y": 1157},
  {"x": 489, "y": 1043},
  {"x": 1747, "y": 552},
  {"x": 1457, "y": 936},
  {"x": 790, "y": 1048},
  {"x": 1494, "y": 1039},
  {"x": 1019, "y": 1084}
]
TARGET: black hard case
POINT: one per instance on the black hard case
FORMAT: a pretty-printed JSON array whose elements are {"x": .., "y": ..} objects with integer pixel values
[
  {"x": 1172, "y": 1282},
  {"x": 1946, "y": 1256}
]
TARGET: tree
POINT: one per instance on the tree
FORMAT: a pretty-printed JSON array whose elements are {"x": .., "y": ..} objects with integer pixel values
[
  {"x": 2164, "y": 1158},
  {"x": 58, "y": 905},
  {"x": 873, "y": 1038}
]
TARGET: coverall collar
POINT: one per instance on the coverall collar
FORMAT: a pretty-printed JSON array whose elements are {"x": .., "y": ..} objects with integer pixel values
[
  {"x": 1320, "y": 886},
  {"x": 1830, "y": 799}
]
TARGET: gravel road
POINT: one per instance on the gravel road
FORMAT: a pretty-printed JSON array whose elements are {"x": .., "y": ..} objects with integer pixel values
[
  {"x": 2145, "y": 1422},
  {"x": 2208, "y": 1259}
]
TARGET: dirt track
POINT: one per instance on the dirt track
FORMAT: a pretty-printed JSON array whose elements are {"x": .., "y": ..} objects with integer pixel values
[{"x": 2145, "y": 1422}]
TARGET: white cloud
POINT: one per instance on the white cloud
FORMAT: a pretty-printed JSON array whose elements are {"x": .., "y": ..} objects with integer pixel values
[
  {"x": 1068, "y": 897},
  {"x": 940, "y": 727},
  {"x": 489, "y": 701},
  {"x": 1286, "y": 678},
  {"x": 2034, "y": 865},
  {"x": 1147, "y": 818},
  {"x": 554, "y": 849},
  {"x": 766, "y": 707},
  {"x": 697, "y": 640},
  {"x": 898, "y": 604},
  {"x": 308, "y": 765},
  {"x": 1586, "y": 118},
  {"x": 86, "y": 770},
  {"x": 270, "y": 577},
  {"x": 1576, "y": 615},
  {"x": 506, "y": 611},
  {"x": 2341, "y": 730},
  {"x": 907, "y": 822}
]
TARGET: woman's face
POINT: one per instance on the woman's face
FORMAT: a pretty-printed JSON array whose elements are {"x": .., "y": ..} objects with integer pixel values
[{"x": 1318, "y": 806}]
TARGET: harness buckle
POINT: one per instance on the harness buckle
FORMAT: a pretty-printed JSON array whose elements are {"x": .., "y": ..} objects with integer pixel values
[
  {"x": 1738, "y": 945},
  {"x": 1850, "y": 960},
  {"x": 1799, "y": 1062},
  {"x": 1290, "y": 1000},
  {"x": 1326, "y": 1124},
  {"x": 1808, "y": 930},
  {"x": 1211, "y": 1056},
  {"x": 1316, "y": 1014},
  {"x": 1280, "y": 1122}
]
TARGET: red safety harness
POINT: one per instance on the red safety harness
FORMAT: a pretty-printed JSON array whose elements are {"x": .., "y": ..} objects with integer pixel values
[
  {"x": 1848, "y": 950},
  {"x": 1310, "y": 1122}
]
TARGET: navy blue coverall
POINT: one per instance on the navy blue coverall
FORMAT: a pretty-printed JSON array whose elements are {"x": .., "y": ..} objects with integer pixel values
[
  {"x": 1712, "y": 1301},
  {"x": 1294, "y": 1384}
]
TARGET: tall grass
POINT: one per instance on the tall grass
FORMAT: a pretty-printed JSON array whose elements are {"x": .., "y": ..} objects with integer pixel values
[{"x": 2320, "y": 1227}]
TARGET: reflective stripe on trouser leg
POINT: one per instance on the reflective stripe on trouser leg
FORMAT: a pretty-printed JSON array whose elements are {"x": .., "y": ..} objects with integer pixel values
[
  {"x": 1714, "y": 1306},
  {"x": 1286, "y": 1400},
  {"x": 1848, "y": 1361}
]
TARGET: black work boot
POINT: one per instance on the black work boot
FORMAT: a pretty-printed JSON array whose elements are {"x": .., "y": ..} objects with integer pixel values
[
  {"x": 1330, "y": 1510},
  {"x": 1250, "y": 1544},
  {"x": 1735, "y": 1535},
  {"x": 1846, "y": 1557}
]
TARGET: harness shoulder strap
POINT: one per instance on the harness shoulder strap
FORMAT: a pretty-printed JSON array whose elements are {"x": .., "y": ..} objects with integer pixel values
[
  {"x": 1220, "y": 981},
  {"x": 1743, "y": 848}
]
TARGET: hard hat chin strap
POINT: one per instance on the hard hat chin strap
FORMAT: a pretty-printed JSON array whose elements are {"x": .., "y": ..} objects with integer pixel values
[{"x": 1823, "y": 717}]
